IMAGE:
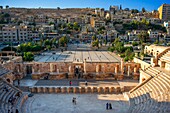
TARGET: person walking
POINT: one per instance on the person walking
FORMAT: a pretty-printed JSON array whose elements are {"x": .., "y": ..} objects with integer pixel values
[
  {"x": 73, "y": 100},
  {"x": 86, "y": 83},
  {"x": 110, "y": 106},
  {"x": 107, "y": 106},
  {"x": 70, "y": 83}
]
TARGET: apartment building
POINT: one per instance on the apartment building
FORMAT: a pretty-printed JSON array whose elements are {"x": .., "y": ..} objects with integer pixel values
[
  {"x": 164, "y": 12},
  {"x": 14, "y": 33},
  {"x": 95, "y": 22}
]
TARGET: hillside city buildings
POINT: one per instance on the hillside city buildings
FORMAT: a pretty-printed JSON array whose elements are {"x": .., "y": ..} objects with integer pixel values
[{"x": 21, "y": 24}]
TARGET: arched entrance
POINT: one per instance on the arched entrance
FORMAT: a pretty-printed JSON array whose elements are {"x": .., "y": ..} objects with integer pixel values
[
  {"x": 29, "y": 69},
  {"x": 78, "y": 71}
]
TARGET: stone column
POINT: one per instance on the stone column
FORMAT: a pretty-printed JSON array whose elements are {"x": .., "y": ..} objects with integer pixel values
[
  {"x": 51, "y": 67},
  {"x": 97, "y": 68},
  {"x": 116, "y": 70},
  {"x": 58, "y": 70},
  {"x": 135, "y": 70},
  {"x": 69, "y": 69},
  {"x": 40, "y": 66},
  {"x": 128, "y": 70},
  {"x": 85, "y": 66},
  {"x": 33, "y": 70},
  {"x": 122, "y": 66}
]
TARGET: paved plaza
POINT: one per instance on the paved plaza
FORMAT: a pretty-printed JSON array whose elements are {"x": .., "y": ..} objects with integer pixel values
[
  {"x": 76, "y": 82},
  {"x": 77, "y": 54},
  {"x": 85, "y": 103}
]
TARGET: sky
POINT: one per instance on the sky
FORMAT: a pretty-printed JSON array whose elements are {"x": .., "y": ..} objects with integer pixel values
[{"x": 132, "y": 4}]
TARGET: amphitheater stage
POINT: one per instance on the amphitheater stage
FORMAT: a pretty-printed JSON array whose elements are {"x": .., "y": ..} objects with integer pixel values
[
  {"x": 80, "y": 83},
  {"x": 86, "y": 103}
]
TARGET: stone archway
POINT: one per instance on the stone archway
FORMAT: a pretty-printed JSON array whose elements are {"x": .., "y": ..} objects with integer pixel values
[
  {"x": 78, "y": 71},
  {"x": 29, "y": 69}
]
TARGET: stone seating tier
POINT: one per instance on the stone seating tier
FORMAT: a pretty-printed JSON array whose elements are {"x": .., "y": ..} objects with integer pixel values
[
  {"x": 8, "y": 91},
  {"x": 152, "y": 97}
]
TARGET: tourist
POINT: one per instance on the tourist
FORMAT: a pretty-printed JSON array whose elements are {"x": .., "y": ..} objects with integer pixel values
[
  {"x": 70, "y": 83},
  {"x": 110, "y": 106},
  {"x": 73, "y": 100},
  {"x": 18, "y": 82},
  {"x": 5, "y": 89},
  {"x": 107, "y": 106},
  {"x": 86, "y": 83}
]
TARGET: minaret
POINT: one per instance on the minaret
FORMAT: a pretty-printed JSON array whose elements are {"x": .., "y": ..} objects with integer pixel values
[{"x": 120, "y": 7}]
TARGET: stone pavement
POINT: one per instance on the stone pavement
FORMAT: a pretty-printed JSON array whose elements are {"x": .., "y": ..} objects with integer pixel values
[
  {"x": 77, "y": 82},
  {"x": 86, "y": 103},
  {"x": 77, "y": 54}
]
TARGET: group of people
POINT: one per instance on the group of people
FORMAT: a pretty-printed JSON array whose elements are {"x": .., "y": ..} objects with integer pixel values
[
  {"x": 108, "y": 106},
  {"x": 5, "y": 89},
  {"x": 74, "y": 100}
]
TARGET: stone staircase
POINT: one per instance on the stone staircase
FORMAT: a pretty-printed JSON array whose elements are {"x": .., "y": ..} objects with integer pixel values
[
  {"x": 7, "y": 93},
  {"x": 151, "y": 97},
  {"x": 152, "y": 71}
]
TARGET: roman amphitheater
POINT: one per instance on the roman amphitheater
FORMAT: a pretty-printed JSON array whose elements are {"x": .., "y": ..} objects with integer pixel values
[{"x": 94, "y": 78}]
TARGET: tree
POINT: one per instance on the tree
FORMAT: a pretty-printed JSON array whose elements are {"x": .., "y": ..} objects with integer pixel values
[
  {"x": 143, "y": 36},
  {"x": 1, "y": 7},
  {"x": 143, "y": 10},
  {"x": 47, "y": 42},
  {"x": 28, "y": 56},
  {"x": 7, "y": 6},
  {"x": 134, "y": 11},
  {"x": 126, "y": 9},
  {"x": 63, "y": 41},
  {"x": 76, "y": 26},
  {"x": 9, "y": 49},
  {"x": 94, "y": 37},
  {"x": 134, "y": 43}
]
